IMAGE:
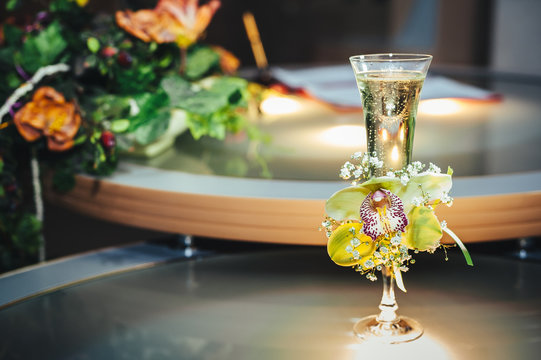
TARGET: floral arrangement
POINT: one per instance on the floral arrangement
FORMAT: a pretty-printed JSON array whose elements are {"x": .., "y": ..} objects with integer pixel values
[
  {"x": 377, "y": 221},
  {"x": 80, "y": 88}
]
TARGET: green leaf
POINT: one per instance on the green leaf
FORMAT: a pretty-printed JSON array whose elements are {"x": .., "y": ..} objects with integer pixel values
[
  {"x": 203, "y": 103},
  {"x": 231, "y": 87},
  {"x": 42, "y": 49},
  {"x": 152, "y": 129},
  {"x": 120, "y": 125},
  {"x": 110, "y": 107},
  {"x": 79, "y": 140},
  {"x": 346, "y": 203},
  {"x": 93, "y": 44},
  {"x": 197, "y": 125},
  {"x": 27, "y": 234},
  {"x": 200, "y": 62},
  {"x": 424, "y": 230},
  {"x": 176, "y": 88},
  {"x": 12, "y": 4},
  {"x": 13, "y": 80},
  {"x": 12, "y": 35},
  {"x": 137, "y": 79},
  {"x": 461, "y": 245}
]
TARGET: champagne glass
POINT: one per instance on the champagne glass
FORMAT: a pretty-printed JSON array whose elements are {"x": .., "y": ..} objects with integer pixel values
[{"x": 390, "y": 85}]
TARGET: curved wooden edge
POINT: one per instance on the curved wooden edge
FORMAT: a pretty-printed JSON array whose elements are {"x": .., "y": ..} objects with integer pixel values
[{"x": 286, "y": 221}]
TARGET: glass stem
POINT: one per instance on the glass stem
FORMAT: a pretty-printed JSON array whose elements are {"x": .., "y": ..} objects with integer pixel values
[{"x": 388, "y": 304}]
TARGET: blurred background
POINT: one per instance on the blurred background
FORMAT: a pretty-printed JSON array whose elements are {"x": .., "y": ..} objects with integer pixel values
[
  {"x": 488, "y": 35},
  {"x": 497, "y": 34}
]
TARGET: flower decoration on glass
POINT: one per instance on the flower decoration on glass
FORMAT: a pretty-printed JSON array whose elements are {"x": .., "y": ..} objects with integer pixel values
[{"x": 376, "y": 222}]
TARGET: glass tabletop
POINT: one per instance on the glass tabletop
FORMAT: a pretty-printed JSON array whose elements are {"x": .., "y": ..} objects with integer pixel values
[
  {"x": 286, "y": 303},
  {"x": 310, "y": 140}
]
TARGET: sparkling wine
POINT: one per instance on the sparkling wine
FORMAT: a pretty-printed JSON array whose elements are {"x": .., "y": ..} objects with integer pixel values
[{"x": 390, "y": 100}]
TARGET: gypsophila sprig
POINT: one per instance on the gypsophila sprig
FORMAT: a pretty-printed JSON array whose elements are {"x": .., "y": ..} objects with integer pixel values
[{"x": 362, "y": 170}]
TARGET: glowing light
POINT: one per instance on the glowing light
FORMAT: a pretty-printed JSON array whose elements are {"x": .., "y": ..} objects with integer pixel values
[
  {"x": 345, "y": 136},
  {"x": 384, "y": 135},
  {"x": 406, "y": 351},
  {"x": 439, "y": 106},
  {"x": 401, "y": 132},
  {"x": 279, "y": 105},
  {"x": 394, "y": 153}
]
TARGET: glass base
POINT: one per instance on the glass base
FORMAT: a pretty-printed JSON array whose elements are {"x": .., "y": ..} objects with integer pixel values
[{"x": 400, "y": 331}]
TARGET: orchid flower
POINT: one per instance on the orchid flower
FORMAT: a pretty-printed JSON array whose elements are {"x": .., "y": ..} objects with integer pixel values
[
  {"x": 386, "y": 206},
  {"x": 388, "y": 216}
]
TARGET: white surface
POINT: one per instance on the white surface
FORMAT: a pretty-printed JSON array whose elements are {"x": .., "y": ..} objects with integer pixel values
[
  {"x": 176, "y": 181},
  {"x": 336, "y": 85}
]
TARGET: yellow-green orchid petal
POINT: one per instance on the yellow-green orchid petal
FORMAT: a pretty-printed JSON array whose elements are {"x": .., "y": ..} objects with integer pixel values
[
  {"x": 424, "y": 230},
  {"x": 392, "y": 184},
  {"x": 348, "y": 246},
  {"x": 345, "y": 204},
  {"x": 435, "y": 185}
]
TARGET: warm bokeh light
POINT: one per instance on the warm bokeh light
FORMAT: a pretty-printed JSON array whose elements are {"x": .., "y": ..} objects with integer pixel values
[
  {"x": 394, "y": 153},
  {"x": 406, "y": 351},
  {"x": 439, "y": 106},
  {"x": 279, "y": 105},
  {"x": 384, "y": 134},
  {"x": 344, "y": 136}
]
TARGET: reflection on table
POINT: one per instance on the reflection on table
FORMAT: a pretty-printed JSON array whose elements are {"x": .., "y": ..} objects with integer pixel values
[
  {"x": 283, "y": 304},
  {"x": 496, "y": 132}
]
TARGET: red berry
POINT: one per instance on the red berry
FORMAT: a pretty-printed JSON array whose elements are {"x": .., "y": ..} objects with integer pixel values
[
  {"x": 108, "y": 140},
  {"x": 108, "y": 51},
  {"x": 124, "y": 59}
]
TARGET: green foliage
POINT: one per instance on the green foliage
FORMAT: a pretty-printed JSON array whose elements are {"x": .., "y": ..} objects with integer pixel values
[
  {"x": 12, "y": 4},
  {"x": 12, "y": 34},
  {"x": 125, "y": 90},
  {"x": 42, "y": 49},
  {"x": 63, "y": 178},
  {"x": 212, "y": 105},
  {"x": 93, "y": 44},
  {"x": 201, "y": 61},
  {"x": 20, "y": 238}
]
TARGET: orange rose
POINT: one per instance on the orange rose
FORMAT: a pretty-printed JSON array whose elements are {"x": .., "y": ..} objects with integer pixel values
[{"x": 49, "y": 115}]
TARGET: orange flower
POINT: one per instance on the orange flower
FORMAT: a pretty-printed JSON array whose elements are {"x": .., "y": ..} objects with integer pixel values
[
  {"x": 229, "y": 63},
  {"x": 180, "y": 21},
  {"x": 48, "y": 114}
]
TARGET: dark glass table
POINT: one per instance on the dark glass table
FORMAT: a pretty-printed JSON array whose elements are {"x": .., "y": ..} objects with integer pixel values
[{"x": 288, "y": 303}]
